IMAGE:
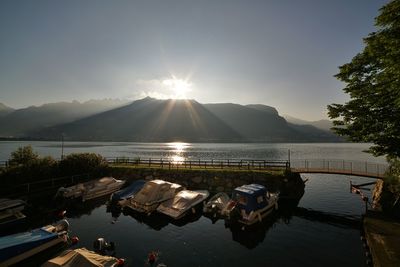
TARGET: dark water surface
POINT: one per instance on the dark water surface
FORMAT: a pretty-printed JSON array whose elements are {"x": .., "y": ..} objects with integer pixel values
[{"x": 321, "y": 231}]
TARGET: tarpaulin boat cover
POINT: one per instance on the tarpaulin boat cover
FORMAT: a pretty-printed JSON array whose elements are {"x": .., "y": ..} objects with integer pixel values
[{"x": 81, "y": 257}]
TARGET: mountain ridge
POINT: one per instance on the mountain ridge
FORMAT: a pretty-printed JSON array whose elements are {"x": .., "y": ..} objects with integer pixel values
[{"x": 154, "y": 120}]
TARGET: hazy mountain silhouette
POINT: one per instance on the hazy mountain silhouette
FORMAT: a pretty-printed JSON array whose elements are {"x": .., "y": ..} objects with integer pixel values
[
  {"x": 5, "y": 110},
  {"x": 153, "y": 120},
  {"x": 22, "y": 121},
  {"x": 320, "y": 124},
  {"x": 265, "y": 108},
  {"x": 148, "y": 120}
]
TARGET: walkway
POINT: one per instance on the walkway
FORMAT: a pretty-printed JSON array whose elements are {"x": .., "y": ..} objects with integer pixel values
[{"x": 344, "y": 167}]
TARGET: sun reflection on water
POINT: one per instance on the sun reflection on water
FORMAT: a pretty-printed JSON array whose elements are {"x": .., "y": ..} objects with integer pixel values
[{"x": 177, "y": 150}]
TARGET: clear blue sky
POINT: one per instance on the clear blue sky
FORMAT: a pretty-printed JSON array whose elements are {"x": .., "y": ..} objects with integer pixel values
[{"x": 278, "y": 52}]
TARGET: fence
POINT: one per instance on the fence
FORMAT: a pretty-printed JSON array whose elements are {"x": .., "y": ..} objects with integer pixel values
[
  {"x": 245, "y": 164},
  {"x": 359, "y": 168},
  {"x": 39, "y": 187}
]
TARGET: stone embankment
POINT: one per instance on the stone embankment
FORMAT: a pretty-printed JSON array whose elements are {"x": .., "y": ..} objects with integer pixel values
[{"x": 290, "y": 185}]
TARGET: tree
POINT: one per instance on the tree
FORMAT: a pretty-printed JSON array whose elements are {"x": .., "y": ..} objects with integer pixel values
[
  {"x": 23, "y": 156},
  {"x": 80, "y": 163},
  {"x": 373, "y": 82}
]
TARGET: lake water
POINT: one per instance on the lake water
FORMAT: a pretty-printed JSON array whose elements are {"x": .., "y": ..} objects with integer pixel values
[{"x": 311, "y": 235}]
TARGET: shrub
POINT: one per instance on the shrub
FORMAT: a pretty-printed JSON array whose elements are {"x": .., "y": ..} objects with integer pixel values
[
  {"x": 23, "y": 156},
  {"x": 79, "y": 163}
]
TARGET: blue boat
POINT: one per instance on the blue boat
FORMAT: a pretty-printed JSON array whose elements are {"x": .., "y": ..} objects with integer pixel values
[
  {"x": 18, "y": 247},
  {"x": 253, "y": 203},
  {"x": 128, "y": 191}
]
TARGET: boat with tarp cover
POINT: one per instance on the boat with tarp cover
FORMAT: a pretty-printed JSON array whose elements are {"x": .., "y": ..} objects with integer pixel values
[
  {"x": 91, "y": 189},
  {"x": 152, "y": 194},
  {"x": 83, "y": 258},
  {"x": 182, "y": 203}
]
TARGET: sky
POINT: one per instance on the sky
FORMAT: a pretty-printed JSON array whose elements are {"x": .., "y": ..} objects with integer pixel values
[{"x": 279, "y": 53}]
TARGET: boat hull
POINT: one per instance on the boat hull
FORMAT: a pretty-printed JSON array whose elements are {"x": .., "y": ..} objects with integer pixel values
[{"x": 18, "y": 247}]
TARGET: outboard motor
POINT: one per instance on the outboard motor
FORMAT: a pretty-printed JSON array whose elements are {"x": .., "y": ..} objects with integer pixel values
[
  {"x": 102, "y": 246},
  {"x": 62, "y": 225}
]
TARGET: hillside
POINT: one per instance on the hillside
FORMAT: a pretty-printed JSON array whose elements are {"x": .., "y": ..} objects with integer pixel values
[
  {"x": 325, "y": 125},
  {"x": 147, "y": 120},
  {"x": 20, "y": 122},
  {"x": 5, "y": 110},
  {"x": 152, "y": 120}
]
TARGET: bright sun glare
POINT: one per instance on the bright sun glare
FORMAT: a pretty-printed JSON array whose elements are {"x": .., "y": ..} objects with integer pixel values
[{"x": 179, "y": 87}]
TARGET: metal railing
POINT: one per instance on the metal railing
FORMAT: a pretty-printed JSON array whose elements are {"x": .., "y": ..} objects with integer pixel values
[
  {"x": 39, "y": 187},
  {"x": 169, "y": 163},
  {"x": 347, "y": 167}
]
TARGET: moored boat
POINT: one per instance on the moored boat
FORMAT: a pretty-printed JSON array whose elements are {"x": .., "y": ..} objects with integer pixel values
[
  {"x": 252, "y": 203},
  {"x": 91, "y": 189},
  {"x": 127, "y": 192},
  {"x": 182, "y": 203},
  {"x": 11, "y": 205},
  {"x": 9, "y": 220},
  {"x": 83, "y": 258},
  {"x": 10, "y": 214},
  {"x": 18, "y": 247},
  {"x": 217, "y": 205},
  {"x": 152, "y": 194}
]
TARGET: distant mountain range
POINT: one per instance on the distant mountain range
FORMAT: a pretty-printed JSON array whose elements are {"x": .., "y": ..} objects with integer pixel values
[
  {"x": 4, "y": 110},
  {"x": 20, "y": 122},
  {"x": 320, "y": 124},
  {"x": 153, "y": 120}
]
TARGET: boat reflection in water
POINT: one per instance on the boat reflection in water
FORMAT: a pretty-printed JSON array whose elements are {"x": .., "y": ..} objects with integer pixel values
[
  {"x": 250, "y": 236},
  {"x": 158, "y": 221}
]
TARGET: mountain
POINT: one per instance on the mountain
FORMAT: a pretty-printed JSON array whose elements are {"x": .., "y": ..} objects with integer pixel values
[
  {"x": 149, "y": 120},
  {"x": 260, "y": 123},
  {"x": 265, "y": 108},
  {"x": 5, "y": 110},
  {"x": 325, "y": 125},
  {"x": 153, "y": 120},
  {"x": 22, "y": 121}
]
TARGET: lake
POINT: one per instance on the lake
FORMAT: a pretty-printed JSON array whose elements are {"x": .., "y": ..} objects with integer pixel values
[{"x": 313, "y": 234}]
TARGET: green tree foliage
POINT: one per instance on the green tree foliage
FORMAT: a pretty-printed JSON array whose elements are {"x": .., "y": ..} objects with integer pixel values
[
  {"x": 373, "y": 82},
  {"x": 23, "y": 156},
  {"x": 80, "y": 163}
]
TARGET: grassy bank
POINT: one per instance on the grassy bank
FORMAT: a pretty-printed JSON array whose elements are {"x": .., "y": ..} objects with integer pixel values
[{"x": 383, "y": 238}]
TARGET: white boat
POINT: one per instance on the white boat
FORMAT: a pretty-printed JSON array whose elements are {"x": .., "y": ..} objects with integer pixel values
[
  {"x": 152, "y": 195},
  {"x": 218, "y": 205},
  {"x": 91, "y": 189},
  {"x": 83, "y": 258},
  {"x": 252, "y": 203},
  {"x": 11, "y": 205},
  {"x": 182, "y": 203}
]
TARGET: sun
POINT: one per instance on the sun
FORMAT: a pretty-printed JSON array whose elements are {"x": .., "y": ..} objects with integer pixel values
[{"x": 179, "y": 87}]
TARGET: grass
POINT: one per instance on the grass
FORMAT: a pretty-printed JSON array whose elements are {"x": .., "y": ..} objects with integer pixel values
[{"x": 177, "y": 167}]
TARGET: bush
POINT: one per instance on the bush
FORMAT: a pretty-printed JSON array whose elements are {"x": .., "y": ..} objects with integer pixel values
[
  {"x": 23, "y": 156},
  {"x": 82, "y": 163},
  {"x": 390, "y": 199}
]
